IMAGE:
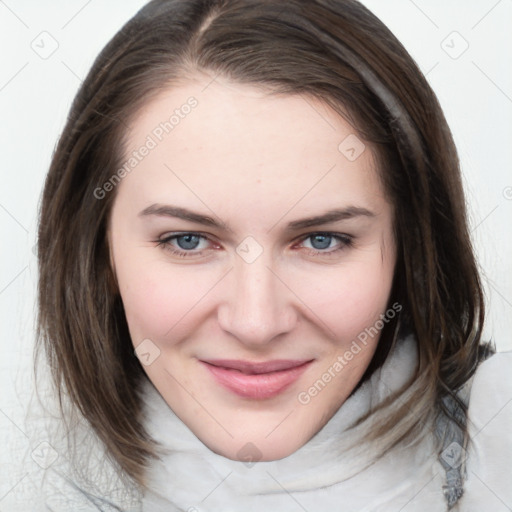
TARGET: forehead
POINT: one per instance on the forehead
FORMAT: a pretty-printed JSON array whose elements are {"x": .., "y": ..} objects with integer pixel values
[{"x": 211, "y": 138}]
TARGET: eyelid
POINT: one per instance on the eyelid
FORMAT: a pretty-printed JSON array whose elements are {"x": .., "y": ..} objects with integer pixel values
[
  {"x": 165, "y": 243},
  {"x": 344, "y": 237},
  {"x": 344, "y": 241},
  {"x": 175, "y": 234}
]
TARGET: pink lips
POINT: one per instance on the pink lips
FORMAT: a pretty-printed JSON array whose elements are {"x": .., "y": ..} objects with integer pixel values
[{"x": 256, "y": 380}]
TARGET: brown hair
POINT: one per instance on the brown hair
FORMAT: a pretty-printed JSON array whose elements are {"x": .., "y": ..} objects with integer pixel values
[{"x": 333, "y": 50}]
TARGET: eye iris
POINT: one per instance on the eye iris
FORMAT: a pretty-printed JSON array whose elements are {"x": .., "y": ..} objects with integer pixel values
[
  {"x": 321, "y": 241},
  {"x": 188, "y": 241}
]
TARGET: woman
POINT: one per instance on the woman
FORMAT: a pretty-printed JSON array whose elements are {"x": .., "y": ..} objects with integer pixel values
[{"x": 256, "y": 281}]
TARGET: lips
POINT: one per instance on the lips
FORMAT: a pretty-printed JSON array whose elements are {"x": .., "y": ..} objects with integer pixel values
[{"x": 253, "y": 380}]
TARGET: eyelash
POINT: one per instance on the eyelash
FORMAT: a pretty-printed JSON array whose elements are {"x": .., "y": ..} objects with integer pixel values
[{"x": 344, "y": 241}]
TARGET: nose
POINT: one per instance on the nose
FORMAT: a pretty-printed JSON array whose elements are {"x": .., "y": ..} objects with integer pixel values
[{"x": 259, "y": 306}]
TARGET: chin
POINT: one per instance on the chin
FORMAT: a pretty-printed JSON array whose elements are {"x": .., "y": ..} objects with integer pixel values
[
  {"x": 258, "y": 450},
  {"x": 271, "y": 441}
]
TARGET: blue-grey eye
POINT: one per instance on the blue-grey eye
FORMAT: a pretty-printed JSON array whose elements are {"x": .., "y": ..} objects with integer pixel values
[
  {"x": 320, "y": 241},
  {"x": 188, "y": 242}
]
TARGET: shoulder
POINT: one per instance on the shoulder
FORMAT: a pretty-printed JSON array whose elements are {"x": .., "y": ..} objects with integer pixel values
[
  {"x": 68, "y": 467},
  {"x": 489, "y": 453}
]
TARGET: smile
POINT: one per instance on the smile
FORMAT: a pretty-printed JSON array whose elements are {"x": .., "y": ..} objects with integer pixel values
[{"x": 257, "y": 381}]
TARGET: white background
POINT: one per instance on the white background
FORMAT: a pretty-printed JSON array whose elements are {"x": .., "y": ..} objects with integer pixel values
[{"x": 475, "y": 91}]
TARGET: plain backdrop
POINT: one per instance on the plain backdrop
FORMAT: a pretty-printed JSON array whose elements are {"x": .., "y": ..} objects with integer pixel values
[{"x": 464, "y": 48}]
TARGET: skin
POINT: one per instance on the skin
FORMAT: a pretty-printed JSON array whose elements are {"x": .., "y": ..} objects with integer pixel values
[{"x": 254, "y": 162}]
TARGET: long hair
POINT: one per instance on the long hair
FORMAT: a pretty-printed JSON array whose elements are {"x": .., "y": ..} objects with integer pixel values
[{"x": 333, "y": 50}]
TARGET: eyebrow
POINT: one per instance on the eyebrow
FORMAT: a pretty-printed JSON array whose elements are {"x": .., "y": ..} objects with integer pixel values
[
  {"x": 163, "y": 210},
  {"x": 331, "y": 216},
  {"x": 318, "y": 220}
]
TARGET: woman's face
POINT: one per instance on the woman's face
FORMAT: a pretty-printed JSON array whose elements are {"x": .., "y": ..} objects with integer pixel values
[{"x": 253, "y": 247}]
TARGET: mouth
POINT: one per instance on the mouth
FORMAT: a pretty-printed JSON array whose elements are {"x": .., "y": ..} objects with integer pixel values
[{"x": 261, "y": 380}]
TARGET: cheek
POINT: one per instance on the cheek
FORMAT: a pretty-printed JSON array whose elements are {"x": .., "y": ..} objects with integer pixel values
[
  {"x": 350, "y": 299},
  {"x": 165, "y": 302},
  {"x": 158, "y": 302}
]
